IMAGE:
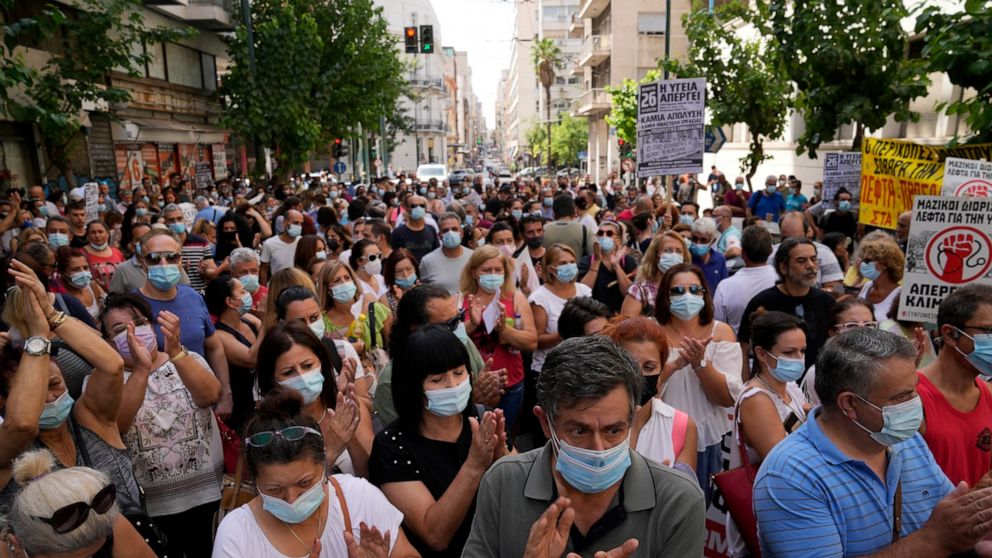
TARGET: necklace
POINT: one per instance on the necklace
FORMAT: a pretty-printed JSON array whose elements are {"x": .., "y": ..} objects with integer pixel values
[
  {"x": 320, "y": 522},
  {"x": 770, "y": 388}
]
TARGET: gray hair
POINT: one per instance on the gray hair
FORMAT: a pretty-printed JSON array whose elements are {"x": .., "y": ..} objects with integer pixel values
[
  {"x": 44, "y": 492},
  {"x": 242, "y": 255},
  {"x": 583, "y": 369},
  {"x": 704, "y": 226},
  {"x": 170, "y": 208},
  {"x": 771, "y": 178},
  {"x": 457, "y": 208},
  {"x": 852, "y": 360},
  {"x": 450, "y": 215},
  {"x": 201, "y": 202}
]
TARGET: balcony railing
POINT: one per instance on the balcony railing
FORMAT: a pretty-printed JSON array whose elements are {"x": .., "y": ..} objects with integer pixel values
[
  {"x": 592, "y": 8},
  {"x": 437, "y": 126},
  {"x": 427, "y": 82},
  {"x": 594, "y": 50},
  {"x": 592, "y": 102}
]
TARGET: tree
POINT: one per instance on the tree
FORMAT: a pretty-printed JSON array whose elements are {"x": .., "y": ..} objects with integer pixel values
[
  {"x": 547, "y": 60},
  {"x": 97, "y": 39},
  {"x": 568, "y": 137},
  {"x": 537, "y": 140},
  {"x": 848, "y": 61},
  {"x": 623, "y": 107},
  {"x": 742, "y": 76},
  {"x": 960, "y": 44}
]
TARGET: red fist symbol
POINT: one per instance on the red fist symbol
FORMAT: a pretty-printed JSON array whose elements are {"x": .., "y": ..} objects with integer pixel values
[{"x": 953, "y": 251}]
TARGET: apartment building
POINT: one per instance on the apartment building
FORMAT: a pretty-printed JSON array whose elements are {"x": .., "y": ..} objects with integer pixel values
[{"x": 463, "y": 112}]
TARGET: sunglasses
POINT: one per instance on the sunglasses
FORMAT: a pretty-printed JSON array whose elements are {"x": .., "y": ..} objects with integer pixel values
[
  {"x": 681, "y": 290},
  {"x": 290, "y": 434},
  {"x": 847, "y": 326},
  {"x": 453, "y": 322},
  {"x": 153, "y": 258},
  {"x": 700, "y": 239},
  {"x": 68, "y": 518},
  {"x": 423, "y": 205},
  {"x": 610, "y": 234},
  {"x": 372, "y": 257},
  {"x": 121, "y": 328}
]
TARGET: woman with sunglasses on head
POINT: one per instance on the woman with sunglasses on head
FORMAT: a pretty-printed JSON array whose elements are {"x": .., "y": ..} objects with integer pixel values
[
  {"x": 36, "y": 405},
  {"x": 366, "y": 260},
  {"x": 666, "y": 250},
  {"x": 166, "y": 421},
  {"x": 609, "y": 269},
  {"x": 66, "y": 513},
  {"x": 702, "y": 374},
  {"x": 850, "y": 313},
  {"x": 771, "y": 406},
  {"x": 300, "y": 510},
  {"x": 430, "y": 461}
]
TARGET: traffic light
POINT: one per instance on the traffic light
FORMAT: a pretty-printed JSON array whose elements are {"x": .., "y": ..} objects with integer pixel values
[
  {"x": 427, "y": 39},
  {"x": 336, "y": 151},
  {"x": 343, "y": 149},
  {"x": 410, "y": 35}
]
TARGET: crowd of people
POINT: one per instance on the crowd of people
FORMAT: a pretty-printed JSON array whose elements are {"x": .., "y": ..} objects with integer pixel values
[{"x": 496, "y": 369}]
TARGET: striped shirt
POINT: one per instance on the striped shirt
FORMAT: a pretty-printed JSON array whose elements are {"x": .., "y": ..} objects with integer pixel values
[{"x": 810, "y": 499}]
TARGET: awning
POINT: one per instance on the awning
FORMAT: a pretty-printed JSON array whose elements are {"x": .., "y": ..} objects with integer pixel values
[{"x": 141, "y": 130}]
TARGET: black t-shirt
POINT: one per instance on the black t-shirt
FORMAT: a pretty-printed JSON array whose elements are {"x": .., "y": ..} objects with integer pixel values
[
  {"x": 78, "y": 241},
  {"x": 403, "y": 455},
  {"x": 601, "y": 291},
  {"x": 812, "y": 309},
  {"x": 845, "y": 223},
  {"x": 420, "y": 242}
]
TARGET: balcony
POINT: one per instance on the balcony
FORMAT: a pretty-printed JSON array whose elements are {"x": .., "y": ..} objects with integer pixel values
[
  {"x": 212, "y": 15},
  {"x": 594, "y": 50},
  {"x": 426, "y": 82},
  {"x": 592, "y": 8},
  {"x": 591, "y": 103},
  {"x": 431, "y": 126},
  {"x": 576, "y": 25}
]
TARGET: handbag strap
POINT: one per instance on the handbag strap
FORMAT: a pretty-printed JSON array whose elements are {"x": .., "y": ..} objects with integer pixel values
[
  {"x": 372, "y": 324},
  {"x": 897, "y": 515},
  {"x": 745, "y": 462},
  {"x": 342, "y": 502},
  {"x": 239, "y": 472}
]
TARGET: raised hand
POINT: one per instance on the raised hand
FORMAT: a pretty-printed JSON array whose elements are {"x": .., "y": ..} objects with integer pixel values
[
  {"x": 169, "y": 325},
  {"x": 484, "y": 440},
  {"x": 502, "y": 449},
  {"x": 339, "y": 424},
  {"x": 475, "y": 309},
  {"x": 35, "y": 318},
  {"x": 141, "y": 359},
  {"x": 28, "y": 281},
  {"x": 549, "y": 534},
  {"x": 372, "y": 544}
]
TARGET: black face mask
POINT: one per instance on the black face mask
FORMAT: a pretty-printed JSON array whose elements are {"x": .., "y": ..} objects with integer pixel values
[
  {"x": 533, "y": 243},
  {"x": 332, "y": 245}
]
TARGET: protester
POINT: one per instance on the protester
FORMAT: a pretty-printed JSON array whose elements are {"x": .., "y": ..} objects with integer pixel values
[
  {"x": 278, "y": 251},
  {"x": 733, "y": 293},
  {"x": 77, "y": 279},
  {"x": 346, "y": 308},
  {"x": 850, "y": 313},
  {"x": 583, "y": 315},
  {"x": 399, "y": 272},
  {"x": 666, "y": 250},
  {"x": 882, "y": 265},
  {"x": 767, "y": 204},
  {"x": 103, "y": 258},
  {"x": 560, "y": 272},
  {"x": 238, "y": 330},
  {"x": 704, "y": 256},
  {"x": 366, "y": 260},
  {"x": 608, "y": 270}
]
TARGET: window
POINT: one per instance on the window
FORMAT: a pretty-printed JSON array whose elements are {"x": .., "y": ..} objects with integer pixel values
[
  {"x": 183, "y": 65},
  {"x": 651, "y": 24},
  {"x": 209, "y": 69},
  {"x": 156, "y": 60},
  {"x": 555, "y": 14}
]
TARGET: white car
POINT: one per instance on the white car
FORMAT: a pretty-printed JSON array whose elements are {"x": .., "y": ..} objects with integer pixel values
[{"x": 427, "y": 172}]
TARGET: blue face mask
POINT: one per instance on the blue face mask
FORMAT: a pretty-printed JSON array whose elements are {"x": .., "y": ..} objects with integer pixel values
[
  {"x": 55, "y": 413},
  {"x": 606, "y": 244},
  {"x": 685, "y": 307},
  {"x": 81, "y": 279},
  {"x": 249, "y": 282},
  {"x": 699, "y": 250},
  {"x": 141, "y": 211},
  {"x": 469, "y": 219},
  {"x": 844, "y": 205},
  {"x": 320, "y": 255},
  {"x": 177, "y": 228},
  {"x": 99, "y": 246},
  {"x": 164, "y": 277},
  {"x": 333, "y": 194},
  {"x": 294, "y": 231},
  {"x": 309, "y": 384},
  {"x": 518, "y": 214},
  {"x": 417, "y": 213},
  {"x": 297, "y": 512},
  {"x": 246, "y": 302},
  {"x": 449, "y": 401},
  {"x": 318, "y": 328},
  {"x": 899, "y": 422},
  {"x": 431, "y": 195},
  {"x": 981, "y": 356},
  {"x": 405, "y": 283},
  {"x": 344, "y": 292},
  {"x": 451, "y": 239},
  {"x": 57, "y": 240},
  {"x": 591, "y": 471},
  {"x": 491, "y": 282},
  {"x": 666, "y": 261},
  {"x": 686, "y": 219},
  {"x": 461, "y": 334},
  {"x": 870, "y": 271},
  {"x": 567, "y": 273},
  {"x": 548, "y": 202},
  {"x": 787, "y": 369}
]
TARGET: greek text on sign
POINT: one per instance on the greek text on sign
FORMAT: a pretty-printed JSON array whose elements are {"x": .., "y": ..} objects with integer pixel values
[
  {"x": 670, "y": 127},
  {"x": 964, "y": 177},
  {"x": 841, "y": 170},
  {"x": 949, "y": 246}
]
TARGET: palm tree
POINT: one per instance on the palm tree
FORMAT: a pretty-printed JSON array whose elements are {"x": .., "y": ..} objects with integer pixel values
[{"x": 547, "y": 59}]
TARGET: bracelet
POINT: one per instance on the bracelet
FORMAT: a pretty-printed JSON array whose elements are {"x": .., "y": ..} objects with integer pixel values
[
  {"x": 183, "y": 353},
  {"x": 57, "y": 320}
]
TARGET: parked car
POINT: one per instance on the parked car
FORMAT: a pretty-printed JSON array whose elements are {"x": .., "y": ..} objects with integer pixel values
[
  {"x": 460, "y": 175},
  {"x": 427, "y": 172}
]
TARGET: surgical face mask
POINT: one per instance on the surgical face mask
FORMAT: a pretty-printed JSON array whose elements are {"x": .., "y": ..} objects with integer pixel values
[
  {"x": 548, "y": 202},
  {"x": 141, "y": 211},
  {"x": 55, "y": 413},
  {"x": 317, "y": 327},
  {"x": 309, "y": 384},
  {"x": 981, "y": 356},
  {"x": 344, "y": 292},
  {"x": 770, "y": 188},
  {"x": 417, "y": 213},
  {"x": 469, "y": 219},
  {"x": 844, "y": 205},
  {"x": 666, "y": 261},
  {"x": 246, "y": 302},
  {"x": 787, "y": 369},
  {"x": 294, "y": 231},
  {"x": 870, "y": 271},
  {"x": 297, "y": 512},
  {"x": 249, "y": 282},
  {"x": 374, "y": 267},
  {"x": 177, "y": 228},
  {"x": 143, "y": 333},
  {"x": 518, "y": 214},
  {"x": 686, "y": 219},
  {"x": 738, "y": 185},
  {"x": 164, "y": 277},
  {"x": 591, "y": 471},
  {"x": 99, "y": 246},
  {"x": 57, "y": 240},
  {"x": 699, "y": 250},
  {"x": 491, "y": 282},
  {"x": 461, "y": 334},
  {"x": 687, "y": 306},
  {"x": 405, "y": 283},
  {"x": 606, "y": 244},
  {"x": 449, "y": 401},
  {"x": 566, "y": 273},
  {"x": 81, "y": 279},
  {"x": 899, "y": 422},
  {"x": 431, "y": 195},
  {"x": 321, "y": 255},
  {"x": 451, "y": 239},
  {"x": 422, "y": 190}
]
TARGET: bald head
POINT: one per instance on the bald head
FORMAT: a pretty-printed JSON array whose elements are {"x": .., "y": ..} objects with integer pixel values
[
  {"x": 643, "y": 205},
  {"x": 902, "y": 226},
  {"x": 793, "y": 225}
]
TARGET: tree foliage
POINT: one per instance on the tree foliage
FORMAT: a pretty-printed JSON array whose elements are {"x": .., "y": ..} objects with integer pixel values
[
  {"x": 547, "y": 60},
  {"x": 960, "y": 44},
  {"x": 848, "y": 62},
  {"x": 95, "y": 40},
  {"x": 623, "y": 107},
  {"x": 743, "y": 78},
  {"x": 568, "y": 136}
]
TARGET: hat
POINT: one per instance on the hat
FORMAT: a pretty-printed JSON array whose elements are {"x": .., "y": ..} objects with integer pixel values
[{"x": 77, "y": 194}]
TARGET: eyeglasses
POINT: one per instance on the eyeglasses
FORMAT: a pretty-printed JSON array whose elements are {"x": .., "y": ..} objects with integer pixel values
[
  {"x": 372, "y": 257},
  {"x": 453, "y": 322},
  {"x": 68, "y": 518},
  {"x": 121, "y": 328},
  {"x": 847, "y": 326},
  {"x": 610, "y": 234},
  {"x": 984, "y": 329},
  {"x": 153, "y": 258},
  {"x": 681, "y": 290},
  {"x": 701, "y": 239},
  {"x": 290, "y": 434}
]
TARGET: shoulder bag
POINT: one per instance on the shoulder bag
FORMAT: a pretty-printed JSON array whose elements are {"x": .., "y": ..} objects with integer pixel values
[{"x": 737, "y": 488}]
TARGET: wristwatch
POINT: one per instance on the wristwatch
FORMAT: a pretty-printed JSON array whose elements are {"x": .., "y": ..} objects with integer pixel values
[
  {"x": 183, "y": 353},
  {"x": 38, "y": 346}
]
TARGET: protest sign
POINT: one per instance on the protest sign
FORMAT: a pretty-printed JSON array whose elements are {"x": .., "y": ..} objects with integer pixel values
[
  {"x": 91, "y": 195},
  {"x": 670, "y": 118},
  {"x": 893, "y": 172},
  {"x": 203, "y": 178},
  {"x": 964, "y": 177},
  {"x": 841, "y": 170},
  {"x": 949, "y": 246},
  {"x": 189, "y": 214}
]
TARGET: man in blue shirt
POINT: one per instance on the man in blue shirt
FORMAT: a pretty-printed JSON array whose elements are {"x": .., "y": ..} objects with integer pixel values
[
  {"x": 769, "y": 204},
  {"x": 713, "y": 264},
  {"x": 857, "y": 478}
]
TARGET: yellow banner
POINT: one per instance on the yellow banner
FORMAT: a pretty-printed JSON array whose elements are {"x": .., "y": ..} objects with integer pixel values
[{"x": 893, "y": 172}]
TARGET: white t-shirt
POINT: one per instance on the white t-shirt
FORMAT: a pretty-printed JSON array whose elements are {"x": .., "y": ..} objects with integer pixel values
[
  {"x": 239, "y": 534},
  {"x": 881, "y": 308},
  {"x": 278, "y": 254},
  {"x": 734, "y": 292},
  {"x": 369, "y": 290},
  {"x": 655, "y": 439},
  {"x": 552, "y": 306}
]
